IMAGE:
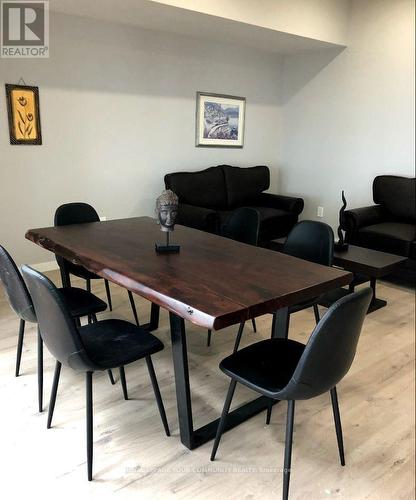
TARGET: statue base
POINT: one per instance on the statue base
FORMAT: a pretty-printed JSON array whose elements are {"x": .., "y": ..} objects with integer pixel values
[
  {"x": 341, "y": 246},
  {"x": 166, "y": 248}
]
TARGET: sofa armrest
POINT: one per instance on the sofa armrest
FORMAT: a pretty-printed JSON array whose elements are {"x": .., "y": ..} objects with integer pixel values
[
  {"x": 288, "y": 203},
  {"x": 360, "y": 217},
  {"x": 202, "y": 218}
]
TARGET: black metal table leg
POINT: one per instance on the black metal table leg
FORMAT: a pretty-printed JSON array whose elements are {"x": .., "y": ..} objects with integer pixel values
[
  {"x": 280, "y": 330},
  {"x": 154, "y": 318},
  {"x": 375, "y": 303},
  {"x": 183, "y": 390},
  {"x": 194, "y": 438},
  {"x": 280, "y": 325}
]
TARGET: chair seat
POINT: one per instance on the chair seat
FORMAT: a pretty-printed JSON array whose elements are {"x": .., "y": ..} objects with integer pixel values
[
  {"x": 81, "y": 302},
  {"x": 265, "y": 366},
  {"x": 113, "y": 343},
  {"x": 392, "y": 237}
]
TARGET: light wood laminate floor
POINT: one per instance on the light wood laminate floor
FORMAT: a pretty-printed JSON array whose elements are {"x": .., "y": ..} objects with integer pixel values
[{"x": 134, "y": 459}]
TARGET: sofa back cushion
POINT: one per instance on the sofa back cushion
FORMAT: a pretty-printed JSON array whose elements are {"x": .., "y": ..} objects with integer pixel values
[
  {"x": 397, "y": 195},
  {"x": 205, "y": 188},
  {"x": 245, "y": 183}
]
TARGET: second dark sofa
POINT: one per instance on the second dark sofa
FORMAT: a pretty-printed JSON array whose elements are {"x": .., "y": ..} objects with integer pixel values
[{"x": 207, "y": 198}]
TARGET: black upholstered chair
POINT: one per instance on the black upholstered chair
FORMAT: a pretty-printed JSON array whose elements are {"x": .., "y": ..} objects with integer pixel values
[
  {"x": 283, "y": 369},
  {"x": 390, "y": 224},
  {"x": 80, "y": 303},
  {"x": 80, "y": 213},
  {"x": 243, "y": 225},
  {"x": 312, "y": 241},
  {"x": 94, "y": 347}
]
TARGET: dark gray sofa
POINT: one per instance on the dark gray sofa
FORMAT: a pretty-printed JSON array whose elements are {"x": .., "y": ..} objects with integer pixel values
[{"x": 207, "y": 198}]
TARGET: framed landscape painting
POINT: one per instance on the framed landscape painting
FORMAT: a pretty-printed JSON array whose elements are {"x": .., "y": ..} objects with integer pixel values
[
  {"x": 220, "y": 120},
  {"x": 23, "y": 111}
]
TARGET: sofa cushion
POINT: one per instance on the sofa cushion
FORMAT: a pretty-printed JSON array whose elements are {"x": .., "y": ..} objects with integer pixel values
[
  {"x": 392, "y": 237},
  {"x": 205, "y": 188},
  {"x": 245, "y": 183},
  {"x": 397, "y": 195}
]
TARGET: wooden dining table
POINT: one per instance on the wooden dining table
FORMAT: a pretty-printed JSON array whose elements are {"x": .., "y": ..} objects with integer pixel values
[{"x": 213, "y": 282}]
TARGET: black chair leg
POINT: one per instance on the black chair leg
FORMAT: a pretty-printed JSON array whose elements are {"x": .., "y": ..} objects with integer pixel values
[
  {"x": 20, "y": 346},
  {"x": 157, "y": 394},
  {"x": 209, "y": 338},
  {"x": 88, "y": 285},
  {"x": 133, "y": 307},
  {"x": 316, "y": 311},
  {"x": 253, "y": 322},
  {"x": 239, "y": 334},
  {"x": 53, "y": 393},
  {"x": 338, "y": 427},
  {"x": 288, "y": 448},
  {"x": 111, "y": 377},
  {"x": 123, "y": 382},
  {"x": 40, "y": 372},
  {"x": 224, "y": 414},
  {"x": 89, "y": 423},
  {"x": 107, "y": 291},
  {"x": 269, "y": 412}
]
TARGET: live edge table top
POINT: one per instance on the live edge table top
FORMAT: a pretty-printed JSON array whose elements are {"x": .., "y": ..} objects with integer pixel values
[{"x": 213, "y": 282}]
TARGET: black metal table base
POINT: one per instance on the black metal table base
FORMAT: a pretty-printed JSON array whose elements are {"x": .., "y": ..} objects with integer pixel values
[
  {"x": 154, "y": 319},
  {"x": 236, "y": 417},
  {"x": 194, "y": 438}
]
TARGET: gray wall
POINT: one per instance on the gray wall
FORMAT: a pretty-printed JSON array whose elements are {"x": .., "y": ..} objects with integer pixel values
[
  {"x": 118, "y": 112},
  {"x": 347, "y": 119}
]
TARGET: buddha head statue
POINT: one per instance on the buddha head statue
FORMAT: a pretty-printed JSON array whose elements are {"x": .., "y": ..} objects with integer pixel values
[{"x": 167, "y": 210}]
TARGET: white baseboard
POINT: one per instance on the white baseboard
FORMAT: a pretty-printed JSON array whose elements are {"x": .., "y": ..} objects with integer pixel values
[{"x": 43, "y": 267}]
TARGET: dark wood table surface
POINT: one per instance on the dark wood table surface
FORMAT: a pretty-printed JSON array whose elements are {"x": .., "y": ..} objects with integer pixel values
[
  {"x": 370, "y": 262},
  {"x": 213, "y": 282}
]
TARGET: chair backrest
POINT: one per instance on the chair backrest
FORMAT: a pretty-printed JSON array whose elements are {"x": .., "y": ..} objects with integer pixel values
[
  {"x": 56, "y": 325},
  {"x": 331, "y": 348},
  {"x": 15, "y": 288},
  {"x": 72, "y": 213},
  {"x": 75, "y": 213},
  {"x": 243, "y": 225},
  {"x": 311, "y": 240},
  {"x": 397, "y": 195}
]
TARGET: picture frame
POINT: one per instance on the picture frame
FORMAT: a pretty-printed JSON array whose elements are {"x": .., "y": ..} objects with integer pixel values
[
  {"x": 24, "y": 115},
  {"x": 220, "y": 120}
]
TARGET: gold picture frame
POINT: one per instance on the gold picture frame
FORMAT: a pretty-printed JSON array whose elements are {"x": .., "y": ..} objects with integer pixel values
[{"x": 24, "y": 115}]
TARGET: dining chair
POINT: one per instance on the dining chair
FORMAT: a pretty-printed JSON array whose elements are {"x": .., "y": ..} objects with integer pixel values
[
  {"x": 80, "y": 213},
  {"x": 242, "y": 225},
  {"x": 80, "y": 303},
  {"x": 312, "y": 241},
  {"x": 284, "y": 369},
  {"x": 98, "y": 346}
]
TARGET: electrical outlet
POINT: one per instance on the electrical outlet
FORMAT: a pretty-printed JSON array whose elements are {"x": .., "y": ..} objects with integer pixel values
[
  {"x": 320, "y": 212},
  {"x": 103, "y": 218}
]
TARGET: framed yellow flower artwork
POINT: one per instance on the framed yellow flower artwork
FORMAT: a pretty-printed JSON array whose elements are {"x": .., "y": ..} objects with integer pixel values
[{"x": 24, "y": 117}]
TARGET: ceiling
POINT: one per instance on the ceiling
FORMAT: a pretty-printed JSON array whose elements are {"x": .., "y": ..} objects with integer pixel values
[{"x": 156, "y": 16}]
